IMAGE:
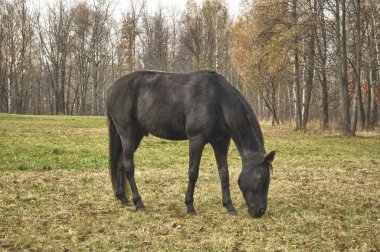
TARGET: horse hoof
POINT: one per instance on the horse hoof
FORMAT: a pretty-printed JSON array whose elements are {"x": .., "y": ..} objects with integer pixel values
[
  {"x": 125, "y": 202},
  {"x": 192, "y": 213},
  {"x": 232, "y": 213},
  {"x": 231, "y": 209},
  {"x": 141, "y": 209}
]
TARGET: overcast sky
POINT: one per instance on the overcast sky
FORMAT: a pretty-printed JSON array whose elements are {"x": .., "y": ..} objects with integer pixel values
[
  {"x": 233, "y": 5},
  {"x": 122, "y": 5}
]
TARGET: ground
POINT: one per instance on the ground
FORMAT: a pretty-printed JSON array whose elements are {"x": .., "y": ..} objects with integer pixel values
[{"x": 56, "y": 194}]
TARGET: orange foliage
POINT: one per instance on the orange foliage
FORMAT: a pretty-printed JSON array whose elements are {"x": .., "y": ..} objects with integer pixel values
[
  {"x": 377, "y": 92},
  {"x": 364, "y": 89}
]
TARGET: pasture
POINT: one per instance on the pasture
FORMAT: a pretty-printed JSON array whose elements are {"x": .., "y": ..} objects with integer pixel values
[{"x": 56, "y": 194}]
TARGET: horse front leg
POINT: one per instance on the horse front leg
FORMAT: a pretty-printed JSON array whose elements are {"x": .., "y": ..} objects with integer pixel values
[
  {"x": 221, "y": 151},
  {"x": 196, "y": 146}
]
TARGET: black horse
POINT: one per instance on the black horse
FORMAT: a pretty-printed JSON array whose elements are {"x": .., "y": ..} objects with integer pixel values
[{"x": 200, "y": 106}]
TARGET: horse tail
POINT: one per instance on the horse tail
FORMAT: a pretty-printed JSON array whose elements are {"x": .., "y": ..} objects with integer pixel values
[{"x": 115, "y": 152}]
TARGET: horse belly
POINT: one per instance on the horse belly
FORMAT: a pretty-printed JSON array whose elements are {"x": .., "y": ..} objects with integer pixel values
[{"x": 166, "y": 123}]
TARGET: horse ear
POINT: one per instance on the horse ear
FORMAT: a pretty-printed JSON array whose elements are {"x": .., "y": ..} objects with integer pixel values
[{"x": 270, "y": 157}]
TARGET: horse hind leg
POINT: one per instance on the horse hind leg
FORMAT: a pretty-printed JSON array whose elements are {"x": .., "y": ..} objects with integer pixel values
[
  {"x": 121, "y": 183},
  {"x": 130, "y": 144},
  {"x": 117, "y": 169}
]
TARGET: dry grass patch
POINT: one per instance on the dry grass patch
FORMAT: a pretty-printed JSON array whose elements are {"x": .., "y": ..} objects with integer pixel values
[
  {"x": 75, "y": 210},
  {"x": 55, "y": 193}
]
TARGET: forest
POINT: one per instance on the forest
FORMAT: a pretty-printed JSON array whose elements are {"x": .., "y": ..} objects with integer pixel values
[{"x": 298, "y": 61}]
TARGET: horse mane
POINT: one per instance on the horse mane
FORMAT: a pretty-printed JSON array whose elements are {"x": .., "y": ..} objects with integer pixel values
[
  {"x": 247, "y": 109},
  {"x": 147, "y": 71}
]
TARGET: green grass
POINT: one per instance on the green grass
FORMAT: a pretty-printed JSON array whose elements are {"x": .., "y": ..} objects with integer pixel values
[{"x": 55, "y": 192}]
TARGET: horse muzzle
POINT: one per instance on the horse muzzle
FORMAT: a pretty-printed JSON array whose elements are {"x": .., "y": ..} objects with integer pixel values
[{"x": 257, "y": 213}]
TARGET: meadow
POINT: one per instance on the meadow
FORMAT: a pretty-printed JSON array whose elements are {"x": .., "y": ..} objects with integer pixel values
[{"x": 56, "y": 194}]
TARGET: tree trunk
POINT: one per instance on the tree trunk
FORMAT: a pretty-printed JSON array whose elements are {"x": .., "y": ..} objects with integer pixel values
[
  {"x": 342, "y": 65},
  {"x": 275, "y": 117},
  {"x": 371, "y": 73},
  {"x": 310, "y": 70},
  {"x": 370, "y": 78},
  {"x": 376, "y": 84},
  {"x": 357, "y": 107},
  {"x": 325, "y": 102},
  {"x": 322, "y": 52},
  {"x": 296, "y": 74}
]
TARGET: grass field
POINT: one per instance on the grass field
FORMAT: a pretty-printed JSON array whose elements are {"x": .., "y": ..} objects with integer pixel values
[{"x": 55, "y": 193}]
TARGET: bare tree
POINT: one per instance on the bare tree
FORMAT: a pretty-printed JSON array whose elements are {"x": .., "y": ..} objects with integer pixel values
[
  {"x": 155, "y": 41},
  {"x": 309, "y": 62},
  {"x": 54, "y": 35},
  {"x": 80, "y": 41},
  {"x": 16, "y": 56},
  {"x": 322, "y": 48},
  {"x": 100, "y": 52},
  {"x": 372, "y": 20},
  {"x": 357, "y": 107},
  {"x": 296, "y": 82},
  {"x": 63, "y": 62},
  {"x": 341, "y": 65}
]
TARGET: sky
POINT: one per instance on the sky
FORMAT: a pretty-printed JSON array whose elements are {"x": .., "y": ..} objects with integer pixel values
[
  {"x": 122, "y": 5},
  {"x": 233, "y": 5}
]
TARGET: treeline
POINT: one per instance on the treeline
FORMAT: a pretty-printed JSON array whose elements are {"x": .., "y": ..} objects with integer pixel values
[
  {"x": 294, "y": 60},
  {"x": 312, "y": 59},
  {"x": 61, "y": 59}
]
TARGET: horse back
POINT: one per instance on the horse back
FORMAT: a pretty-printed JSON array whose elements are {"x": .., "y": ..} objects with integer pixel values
[{"x": 173, "y": 106}]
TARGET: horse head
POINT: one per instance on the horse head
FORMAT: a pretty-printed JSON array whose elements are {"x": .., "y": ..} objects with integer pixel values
[{"x": 254, "y": 184}]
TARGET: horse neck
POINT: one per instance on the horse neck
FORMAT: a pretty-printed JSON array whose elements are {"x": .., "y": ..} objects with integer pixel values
[
  {"x": 251, "y": 151},
  {"x": 244, "y": 128},
  {"x": 249, "y": 143}
]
